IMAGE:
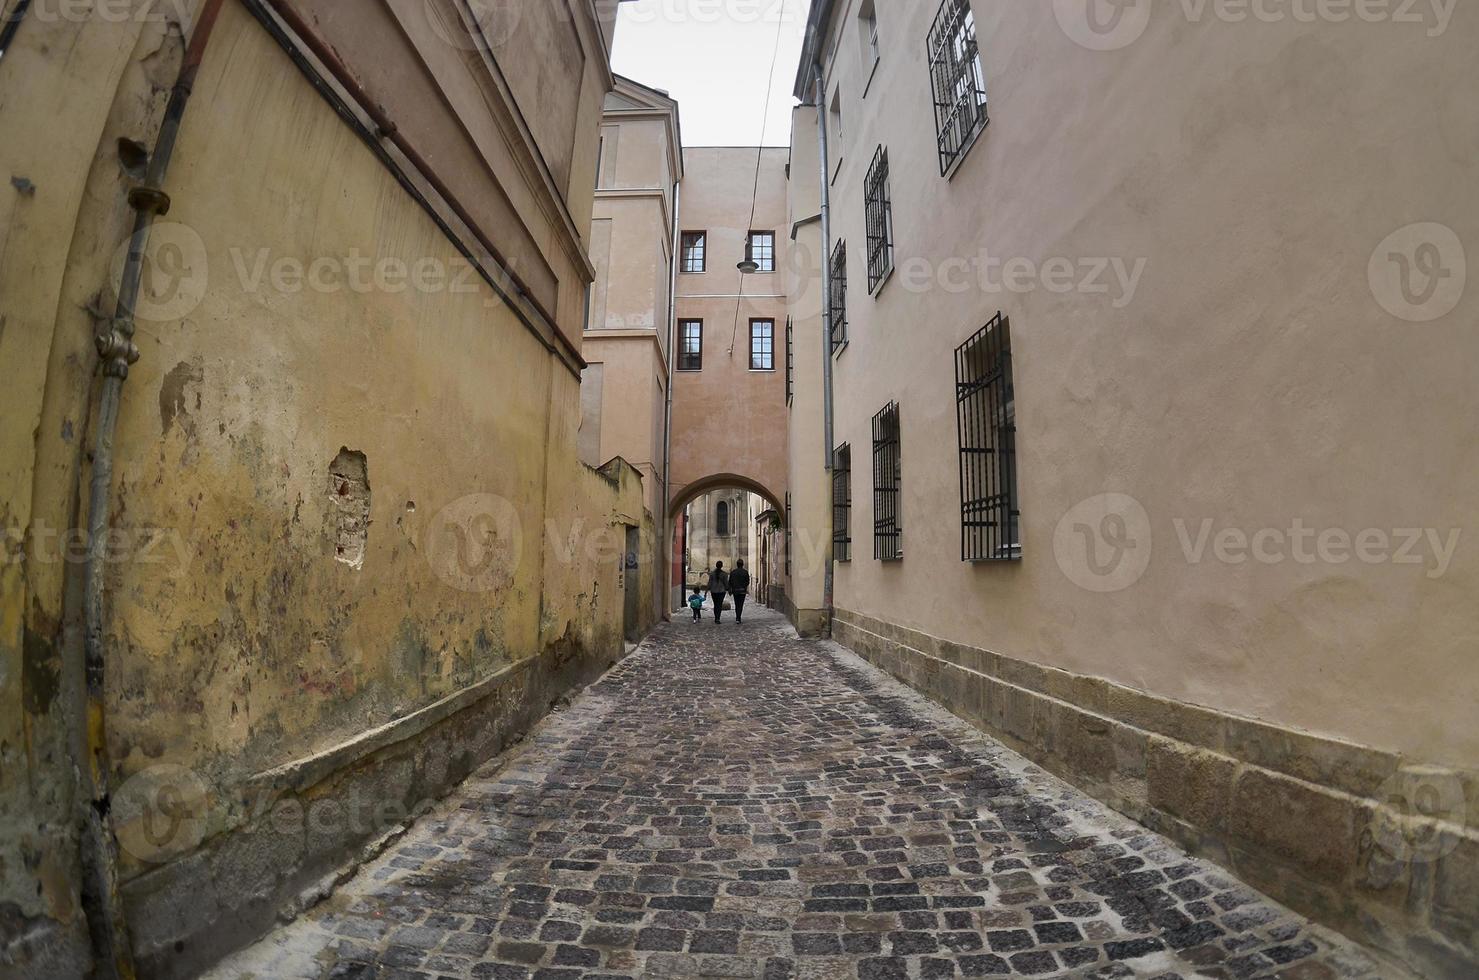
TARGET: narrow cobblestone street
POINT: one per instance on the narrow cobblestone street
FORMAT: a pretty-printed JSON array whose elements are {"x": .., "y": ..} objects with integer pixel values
[{"x": 735, "y": 802}]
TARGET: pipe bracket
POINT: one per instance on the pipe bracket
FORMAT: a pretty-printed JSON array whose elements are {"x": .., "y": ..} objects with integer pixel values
[
  {"x": 117, "y": 350},
  {"x": 149, "y": 200}
]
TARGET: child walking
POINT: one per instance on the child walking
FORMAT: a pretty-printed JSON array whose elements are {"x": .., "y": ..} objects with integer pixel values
[{"x": 696, "y": 603}]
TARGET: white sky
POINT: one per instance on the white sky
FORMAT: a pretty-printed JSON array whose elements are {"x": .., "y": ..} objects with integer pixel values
[{"x": 712, "y": 56}]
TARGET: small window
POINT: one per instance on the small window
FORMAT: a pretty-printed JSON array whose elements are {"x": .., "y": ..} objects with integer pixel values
[
  {"x": 986, "y": 409},
  {"x": 880, "y": 220},
  {"x": 888, "y": 478},
  {"x": 834, "y": 129},
  {"x": 695, "y": 248},
  {"x": 691, "y": 345},
  {"x": 761, "y": 250},
  {"x": 721, "y": 522},
  {"x": 958, "y": 81},
  {"x": 868, "y": 34},
  {"x": 839, "y": 297},
  {"x": 762, "y": 345},
  {"x": 842, "y": 503},
  {"x": 790, "y": 363}
]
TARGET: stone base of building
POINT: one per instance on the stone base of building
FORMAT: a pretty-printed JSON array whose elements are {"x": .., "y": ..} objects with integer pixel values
[
  {"x": 1356, "y": 838},
  {"x": 810, "y": 623},
  {"x": 305, "y": 825}
]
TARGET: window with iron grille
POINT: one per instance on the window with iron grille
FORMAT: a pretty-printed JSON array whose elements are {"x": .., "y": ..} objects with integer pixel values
[
  {"x": 762, "y": 345},
  {"x": 986, "y": 415},
  {"x": 888, "y": 532},
  {"x": 842, "y": 503},
  {"x": 788, "y": 534},
  {"x": 691, "y": 345},
  {"x": 880, "y": 220},
  {"x": 760, "y": 249},
  {"x": 958, "y": 81},
  {"x": 839, "y": 296},
  {"x": 695, "y": 251},
  {"x": 790, "y": 363}
]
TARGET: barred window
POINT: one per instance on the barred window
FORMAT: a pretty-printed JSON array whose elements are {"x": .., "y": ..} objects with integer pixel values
[
  {"x": 788, "y": 534},
  {"x": 880, "y": 220},
  {"x": 790, "y": 363},
  {"x": 990, "y": 518},
  {"x": 760, "y": 249},
  {"x": 888, "y": 532},
  {"x": 762, "y": 345},
  {"x": 691, "y": 345},
  {"x": 695, "y": 251},
  {"x": 842, "y": 503},
  {"x": 958, "y": 81},
  {"x": 839, "y": 296}
]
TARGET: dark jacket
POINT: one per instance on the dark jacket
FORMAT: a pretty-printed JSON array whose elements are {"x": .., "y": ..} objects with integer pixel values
[
  {"x": 719, "y": 581},
  {"x": 739, "y": 581}
]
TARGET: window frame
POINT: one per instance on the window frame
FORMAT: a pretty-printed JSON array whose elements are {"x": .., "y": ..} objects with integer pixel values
[
  {"x": 842, "y": 503},
  {"x": 768, "y": 353},
  {"x": 888, "y": 484},
  {"x": 957, "y": 83},
  {"x": 683, "y": 352},
  {"x": 838, "y": 295},
  {"x": 685, "y": 249},
  {"x": 750, "y": 251},
  {"x": 986, "y": 436},
  {"x": 878, "y": 219},
  {"x": 723, "y": 521}
]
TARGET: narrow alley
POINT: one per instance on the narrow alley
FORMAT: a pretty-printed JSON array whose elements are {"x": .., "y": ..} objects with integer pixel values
[{"x": 736, "y": 802}]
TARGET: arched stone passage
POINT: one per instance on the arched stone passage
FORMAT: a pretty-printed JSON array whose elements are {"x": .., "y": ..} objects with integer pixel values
[{"x": 686, "y": 495}]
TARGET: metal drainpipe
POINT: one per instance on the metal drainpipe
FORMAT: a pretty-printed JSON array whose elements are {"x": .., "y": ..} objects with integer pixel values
[
  {"x": 667, "y": 425},
  {"x": 112, "y": 952},
  {"x": 12, "y": 24},
  {"x": 827, "y": 313}
]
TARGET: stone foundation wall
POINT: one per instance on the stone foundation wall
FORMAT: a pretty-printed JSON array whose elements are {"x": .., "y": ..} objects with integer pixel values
[
  {"x": 304, "y": 825},
  {"x": 1370, "y": 843}
]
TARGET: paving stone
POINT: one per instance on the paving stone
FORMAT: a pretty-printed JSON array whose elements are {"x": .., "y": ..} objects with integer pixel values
[{"x": 736, "y": 802}]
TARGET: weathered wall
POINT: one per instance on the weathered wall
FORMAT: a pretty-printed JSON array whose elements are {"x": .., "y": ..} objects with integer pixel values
[
  {"x": 1251, "y": 379},
  {"x": 355, "y": 553}
]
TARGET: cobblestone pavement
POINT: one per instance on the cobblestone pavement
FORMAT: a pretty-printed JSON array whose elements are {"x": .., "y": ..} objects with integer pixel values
[{"x": 735, "y": 802}]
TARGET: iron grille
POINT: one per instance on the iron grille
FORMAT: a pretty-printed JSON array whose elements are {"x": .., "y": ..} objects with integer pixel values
[
  {"x": 788, "y": 534},
  {"x": 842, "y": 503},
  {"x": 888, "y": 539},
  {"x": 880, "y": 220},
  {"x": 959, "y": 84},
  {"x": 790, "y": 363},
  {"x": 839, "y": 296},
  {"x": 986, "y": 417}
]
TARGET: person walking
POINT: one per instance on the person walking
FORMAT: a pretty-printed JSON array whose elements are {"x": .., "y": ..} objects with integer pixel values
[
  {"x": 718, "y": 588},
  {"x": 739, "y": 588}
]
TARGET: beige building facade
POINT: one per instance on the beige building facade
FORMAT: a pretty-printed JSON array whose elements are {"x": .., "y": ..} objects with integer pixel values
[
  {"x": 729, "y": 382},
  {"x": 1168, "y": 490},
  {"x": 348, "y": 550}
]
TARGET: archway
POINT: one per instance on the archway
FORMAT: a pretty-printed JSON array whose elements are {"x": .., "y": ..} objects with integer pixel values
[{"x": 744, "y": 524}]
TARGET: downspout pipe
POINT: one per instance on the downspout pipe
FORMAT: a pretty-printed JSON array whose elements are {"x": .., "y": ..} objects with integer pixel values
[
  {"x": 667, "y": 424},
  {"x": 829, "y": 449},
  {"x": 112, "y": 952},
  {"x": 12, "y": 24}
]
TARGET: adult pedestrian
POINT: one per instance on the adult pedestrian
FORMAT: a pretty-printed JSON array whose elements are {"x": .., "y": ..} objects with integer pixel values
[
  {"x": 718, "y": 588},
  {"x": 739, "y": 588}
]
